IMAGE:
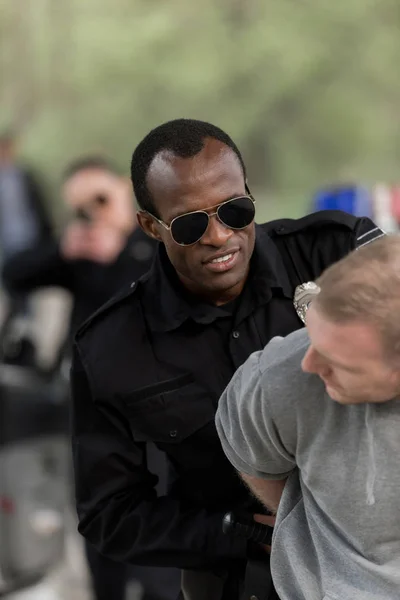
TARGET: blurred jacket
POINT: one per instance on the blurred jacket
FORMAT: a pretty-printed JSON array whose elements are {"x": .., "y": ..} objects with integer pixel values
[
  {"x": 91, "y": 284},
  {"x": 24, "y": 220}
]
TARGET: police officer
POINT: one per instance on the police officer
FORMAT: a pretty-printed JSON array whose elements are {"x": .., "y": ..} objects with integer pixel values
[{"x": 152, "y": 364}]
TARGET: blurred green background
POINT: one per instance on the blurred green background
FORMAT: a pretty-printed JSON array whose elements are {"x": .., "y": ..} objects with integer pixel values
[{"x": 309, "y": 90}]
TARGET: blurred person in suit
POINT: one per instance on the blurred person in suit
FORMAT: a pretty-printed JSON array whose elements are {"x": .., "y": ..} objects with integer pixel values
[
  {"x": 100, "y": 251},
  {"x": 24, "y": 220}
]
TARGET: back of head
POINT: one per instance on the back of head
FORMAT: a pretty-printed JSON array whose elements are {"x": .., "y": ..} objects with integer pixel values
[
  {"x": 365, "y": 286},
  {"x": 88, "y": 163},
  {"x": 183, "y": 138}
]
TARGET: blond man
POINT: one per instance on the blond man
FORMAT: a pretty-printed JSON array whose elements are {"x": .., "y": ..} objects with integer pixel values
[{"x": 312, "y": 424}]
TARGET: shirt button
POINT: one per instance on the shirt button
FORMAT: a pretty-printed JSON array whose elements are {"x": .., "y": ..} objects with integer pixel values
[
  {"x": 173, "y": 433},
  {"x": 235, "y": 334}
]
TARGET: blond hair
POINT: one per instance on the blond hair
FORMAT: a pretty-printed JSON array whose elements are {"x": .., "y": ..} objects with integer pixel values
[{"x": 365, "y": 286}]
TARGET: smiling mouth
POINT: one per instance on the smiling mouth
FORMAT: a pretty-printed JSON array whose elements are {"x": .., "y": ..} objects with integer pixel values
[
  {"x": 222, "y": 258},
  {"x": 223, "y": 263}
]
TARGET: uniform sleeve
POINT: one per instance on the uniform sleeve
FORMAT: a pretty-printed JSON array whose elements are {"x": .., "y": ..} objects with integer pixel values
[
  {"x": 310, "y": 245},
  {"x": 118, "y": 508},
  {"x": 366, "y": 232},
  {"x": 247, "y": 429}
]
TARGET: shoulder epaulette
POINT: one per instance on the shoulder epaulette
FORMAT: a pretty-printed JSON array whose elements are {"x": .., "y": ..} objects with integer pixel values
[
  {"x": 115, "y": 300},
  {"x": 317, "y": 219}
]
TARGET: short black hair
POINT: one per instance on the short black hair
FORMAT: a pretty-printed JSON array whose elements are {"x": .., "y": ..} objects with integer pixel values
[
  {"x": 84, "y": 163},
  {"x": 184, "y": 138}
]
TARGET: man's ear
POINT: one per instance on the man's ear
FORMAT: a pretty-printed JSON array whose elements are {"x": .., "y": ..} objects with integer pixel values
[{"x": 148, "y": 224}]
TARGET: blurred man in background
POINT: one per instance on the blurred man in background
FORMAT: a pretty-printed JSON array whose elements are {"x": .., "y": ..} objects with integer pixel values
[
  {"x": 153, "y": 364},
  {"x": 23, "y": 217},
  {"x": 100, "y": 251}
]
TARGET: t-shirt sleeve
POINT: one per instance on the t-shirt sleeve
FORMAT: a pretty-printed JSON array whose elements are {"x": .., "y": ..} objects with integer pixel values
[{"x": 248, "y": 432}]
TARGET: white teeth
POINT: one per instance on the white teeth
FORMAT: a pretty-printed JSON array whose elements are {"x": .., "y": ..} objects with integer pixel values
[{"x": 222, "y": 258}]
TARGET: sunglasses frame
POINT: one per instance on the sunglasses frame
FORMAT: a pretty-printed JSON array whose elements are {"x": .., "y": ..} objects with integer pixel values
[{"x": 209, "y": 215}]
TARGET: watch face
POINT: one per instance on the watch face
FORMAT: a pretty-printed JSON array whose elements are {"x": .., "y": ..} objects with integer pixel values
[{"x": 303, "y": 296}]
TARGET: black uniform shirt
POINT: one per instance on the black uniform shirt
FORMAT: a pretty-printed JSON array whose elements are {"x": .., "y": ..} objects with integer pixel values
[{"x": 151, "y": 366}]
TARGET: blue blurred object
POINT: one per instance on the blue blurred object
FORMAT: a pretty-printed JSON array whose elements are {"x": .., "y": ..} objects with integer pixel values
[{"x": 356, "y": 200}]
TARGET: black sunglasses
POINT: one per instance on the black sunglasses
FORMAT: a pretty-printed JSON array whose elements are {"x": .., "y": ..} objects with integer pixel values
[{"x": 189, "y": 228}]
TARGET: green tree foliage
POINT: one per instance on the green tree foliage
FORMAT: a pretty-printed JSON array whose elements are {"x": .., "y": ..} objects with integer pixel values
[{"x": 310, "y": 90}]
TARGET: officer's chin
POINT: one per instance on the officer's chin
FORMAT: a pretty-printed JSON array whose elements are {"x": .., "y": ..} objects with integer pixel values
[{"x": 224, "y": 281}]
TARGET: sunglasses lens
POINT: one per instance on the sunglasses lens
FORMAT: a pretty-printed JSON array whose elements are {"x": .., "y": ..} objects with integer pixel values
[
  {"x": 237, "y": 213},
  {"x": 188, "y": 229}
]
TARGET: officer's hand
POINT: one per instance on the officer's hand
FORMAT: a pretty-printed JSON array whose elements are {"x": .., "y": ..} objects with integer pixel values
[
  {"x": 95, "y": 242},
  {"x": 265, "y": 520},
  {"x": 73, "y": 243},
  {"x": 104, "y": 243}
]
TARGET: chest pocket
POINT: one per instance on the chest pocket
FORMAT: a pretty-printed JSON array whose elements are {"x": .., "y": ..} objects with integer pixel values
[{"x": 169, "y": 411}]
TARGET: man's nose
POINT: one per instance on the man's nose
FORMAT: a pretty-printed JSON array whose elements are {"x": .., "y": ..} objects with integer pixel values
[
  {"x": 308, "y": 364},
  {"x": 216, "y": 234}
]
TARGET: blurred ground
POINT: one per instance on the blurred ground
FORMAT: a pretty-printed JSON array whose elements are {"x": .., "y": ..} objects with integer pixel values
[{"x": 69, "y": 581}]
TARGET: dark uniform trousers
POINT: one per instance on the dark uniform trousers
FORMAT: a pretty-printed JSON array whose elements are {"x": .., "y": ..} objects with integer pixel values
[
  {"x": 150, "y": 367},
  {"x": 206, "y": 586}
]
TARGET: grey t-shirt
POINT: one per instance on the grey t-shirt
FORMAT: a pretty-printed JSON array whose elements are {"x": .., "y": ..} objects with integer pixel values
[{"x": 337, "y": 533}]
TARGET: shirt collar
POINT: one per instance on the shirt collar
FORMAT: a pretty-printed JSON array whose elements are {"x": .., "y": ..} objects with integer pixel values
[{"x": 168, "y": 305}]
